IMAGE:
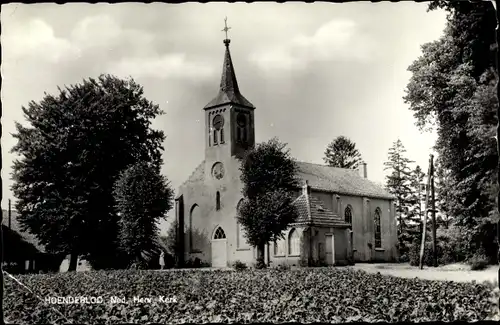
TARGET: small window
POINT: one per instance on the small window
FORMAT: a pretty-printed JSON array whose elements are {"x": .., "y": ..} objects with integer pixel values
[
  {"x": 221, "y": 135},
  {"x": 348, "y": 215},
  {"x": 217, "y": 201},
  {"x": 378, "y": 231},
  {"x": 219, "y": 234},
  {"x": 215, "y": 137},
  {"x": 294, "y": 242}
]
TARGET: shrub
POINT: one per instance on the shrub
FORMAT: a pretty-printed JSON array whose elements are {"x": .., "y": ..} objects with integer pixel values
[
  {"x": 238, "y": 265},
  {"x": 478, "y": 262},
  {"x": 195, "y": 263},
  {"x": 260, "y": 265},
  {"x": 428, "y": 254},
  {"x": 282, "y": 267}
]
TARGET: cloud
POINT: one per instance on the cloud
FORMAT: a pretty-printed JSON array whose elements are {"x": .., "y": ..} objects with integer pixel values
[
  {"x": 38, "y": 37},
  {"x": 168, "y": 66},
  {"x": 335, "y": 40},
  {"x": 106, "y": 34},
  {"x": 96, "y": 31}
]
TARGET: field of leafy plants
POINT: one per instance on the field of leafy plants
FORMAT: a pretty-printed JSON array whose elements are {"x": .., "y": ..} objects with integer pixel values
[{"x": 302, "y": 295}]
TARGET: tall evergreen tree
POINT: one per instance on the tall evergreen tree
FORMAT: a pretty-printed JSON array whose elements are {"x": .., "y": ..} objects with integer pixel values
[
  {"x": 398, "y": 182},
  {"x": 416, "y": 198},
  {"x": 71, "y": 152},
  {"x": 342, "y": 153}
]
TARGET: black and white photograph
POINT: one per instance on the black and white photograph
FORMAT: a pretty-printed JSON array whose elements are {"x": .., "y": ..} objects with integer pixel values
[{"x": 250, "y": 162}]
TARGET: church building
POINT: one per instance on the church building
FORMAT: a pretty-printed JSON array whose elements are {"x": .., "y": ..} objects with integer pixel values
[{"x": 343, "y": 215}]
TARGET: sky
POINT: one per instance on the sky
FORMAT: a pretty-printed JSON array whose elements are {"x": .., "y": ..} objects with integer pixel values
[{"x": 313, "y": 71}]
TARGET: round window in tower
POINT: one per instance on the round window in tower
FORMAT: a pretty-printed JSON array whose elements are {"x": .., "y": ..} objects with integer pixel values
[{"x": 218, "y": 122}]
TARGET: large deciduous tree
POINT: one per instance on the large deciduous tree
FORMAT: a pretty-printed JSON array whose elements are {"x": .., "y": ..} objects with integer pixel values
[
  {"x": 269, "y": 178},
  {"x": 342, "y": 153},
  {"x": 143, "y": 197},
  {"x": 452, "y": 90},
  {"x": 71, "y": 151}
]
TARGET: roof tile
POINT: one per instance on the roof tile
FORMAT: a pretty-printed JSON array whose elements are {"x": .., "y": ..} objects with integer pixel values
[{"x": 340, "y": 181}]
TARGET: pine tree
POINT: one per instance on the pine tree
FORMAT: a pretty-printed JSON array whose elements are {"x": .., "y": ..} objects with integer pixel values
[
  {"x": 398, "y": 182},
  {"x": 416, "y": 198},
  {"x": 342, "y": 153}
]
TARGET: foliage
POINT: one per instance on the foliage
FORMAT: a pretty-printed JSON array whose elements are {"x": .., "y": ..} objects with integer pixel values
[
  {"x": 452, "y": 89},
  {"x": 443, "y": 191},
  {"x": 452, "y": 247},
  {"x": 282, "y": 267},
  {"x": 238, "y": 265},
  {"x": 454, "y": 244},
  {"x": 342, "y": 153},
  {"x": 71, "y": 151},
  {"x": 414, "y": 254},
  {"x": 171, "y": 241},
  {"x": 143, "y": 197},
  {"x": 265, "y": 219},
  {"x": 399, "y": 179},
  {"x": 266, "y": 168},
  {"x": 416, "y": 197},
  {"x": 268, "y": 174},
  {"x": 302, "y": 295},
  {"x": 195, "y": 263},
  {"x": 478, "y": 262}
]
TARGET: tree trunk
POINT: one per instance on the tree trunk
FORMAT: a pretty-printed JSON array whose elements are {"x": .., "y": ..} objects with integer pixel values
[
  {"x": 260, "y": 256},
  {"x": 73, "y": 261}
]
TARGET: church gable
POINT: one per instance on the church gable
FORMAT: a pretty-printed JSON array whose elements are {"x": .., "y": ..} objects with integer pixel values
[{"x": 197, "y": 176}]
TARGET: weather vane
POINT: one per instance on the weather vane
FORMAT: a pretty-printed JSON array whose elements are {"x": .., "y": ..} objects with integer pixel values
[{"x": 226, "y": 29}]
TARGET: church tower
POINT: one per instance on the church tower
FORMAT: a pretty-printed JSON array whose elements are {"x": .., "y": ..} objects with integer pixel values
[{"x": 229, "y": 117}]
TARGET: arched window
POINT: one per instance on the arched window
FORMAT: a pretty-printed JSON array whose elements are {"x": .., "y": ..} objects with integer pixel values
[
  {"x": 378, "y": 231},
  {"x": 217, "y": 201},
  {"x": 280, "y": 247},
  {"x": 241, "y": 128},
  {"x": 293, "y": 242},
  {"x": 193, "y": 217},
  {"x": 218, "y": 125},
  {"x": 219, "y": 234},
  {"x": 215, "y": 137},
  {"x": 348, "y": 215}
]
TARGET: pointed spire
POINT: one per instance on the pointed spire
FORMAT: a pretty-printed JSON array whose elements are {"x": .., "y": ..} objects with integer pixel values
[
  {"x": 228, "y": 80},
  {"x": 229, "y": 92}
]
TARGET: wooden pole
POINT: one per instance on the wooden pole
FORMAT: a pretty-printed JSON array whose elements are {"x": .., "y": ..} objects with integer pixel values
[
  {"x": 497, "y": 62},
  {"x": 10, "y": 215},
  {"x": 424, "y": 227},
  {"x": 433, "y": 214}
]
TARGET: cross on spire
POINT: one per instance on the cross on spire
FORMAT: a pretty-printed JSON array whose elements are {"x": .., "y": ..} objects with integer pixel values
[{"x": 226, "y": 29}]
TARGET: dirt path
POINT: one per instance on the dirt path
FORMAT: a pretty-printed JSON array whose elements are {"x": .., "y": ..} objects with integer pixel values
[{"x": 454, "y": 272}]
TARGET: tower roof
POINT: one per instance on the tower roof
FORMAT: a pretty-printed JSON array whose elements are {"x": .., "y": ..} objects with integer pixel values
[{"x": 229, "y": 92}]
